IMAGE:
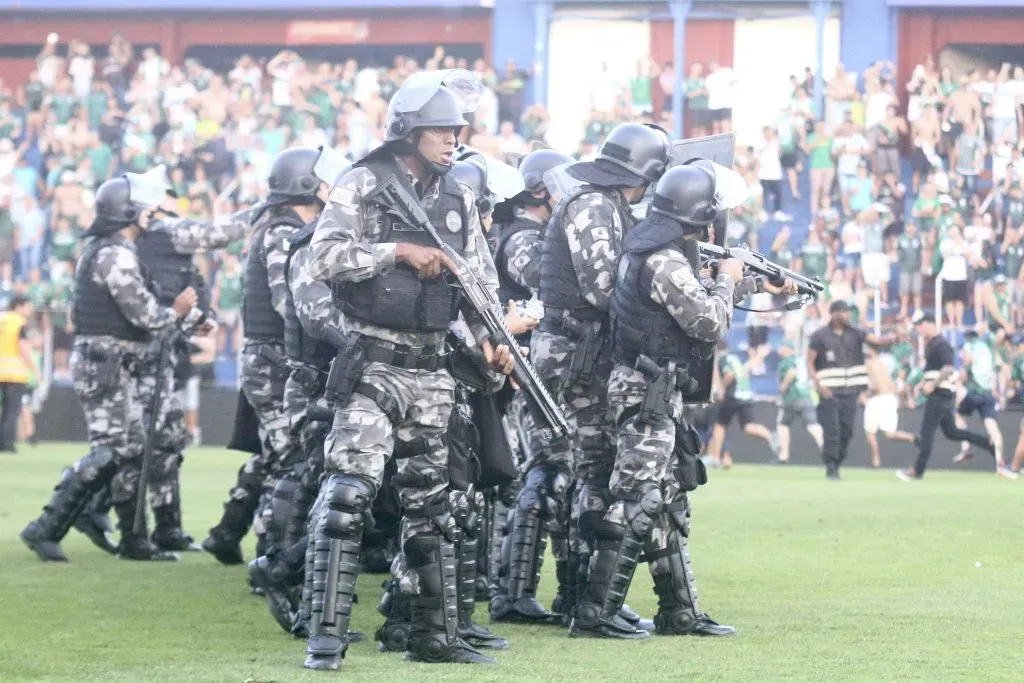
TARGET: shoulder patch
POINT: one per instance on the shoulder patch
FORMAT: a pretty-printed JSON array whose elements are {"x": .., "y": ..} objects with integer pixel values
[
  {"x": 453, "y": 221},
  {"x": 342, "y": 195}
]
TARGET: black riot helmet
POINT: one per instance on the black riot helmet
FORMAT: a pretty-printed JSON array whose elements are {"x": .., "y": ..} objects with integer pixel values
[
  {"x": 114, "y": 204},
  {"x": 121, "y": 201},
  {"x": 430, "y": 99},
  {"x": 535, "y": 164},
  {"x": 292, "y": 176},
  {"x": 633, "y": 155},
  {"x": 687, "y": 194}
]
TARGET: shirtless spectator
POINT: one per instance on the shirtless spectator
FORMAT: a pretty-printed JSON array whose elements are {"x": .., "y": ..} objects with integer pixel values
[
  {"x": 962, "y": 107},
  {"x": 887, "y": 136},
  {"x": 927, "y": 134},
  {"x": 881, "y": 406}
]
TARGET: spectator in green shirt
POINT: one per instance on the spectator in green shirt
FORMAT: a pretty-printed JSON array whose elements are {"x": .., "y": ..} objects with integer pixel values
[
  {"x": 910, "y": 257},
  {"x": 697, "y": 101},
  {"x": 640, "y": 89},
  {"x": 797, "y": 399},
  {"x": 227, "y": 298},
  {"x": 818, "y": 147}
]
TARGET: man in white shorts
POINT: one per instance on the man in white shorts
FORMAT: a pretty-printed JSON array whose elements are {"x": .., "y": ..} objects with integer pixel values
[{"x": 882, "y": 406}]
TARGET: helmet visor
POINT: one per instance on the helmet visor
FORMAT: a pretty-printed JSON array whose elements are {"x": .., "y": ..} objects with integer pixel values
[
  {"x": 330, "y": 166},
  {"x": 149, "y": 189}
]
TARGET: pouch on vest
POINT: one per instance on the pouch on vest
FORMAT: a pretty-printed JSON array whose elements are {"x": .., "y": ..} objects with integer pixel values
[
  {"x": 589, "y": 340},
  {"x": 497, "y": 462},
  {"x": 346, "y": 371},
  {"x": 690, "y": 470},
  {"x": 245, "y": 436},
  {"x": 463, "y": 444}
]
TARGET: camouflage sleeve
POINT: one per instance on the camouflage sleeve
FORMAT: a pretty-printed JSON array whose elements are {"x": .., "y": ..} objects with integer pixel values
[
  {"x": 192, "y": 236},
  {"x": 478, "y": 256},
  {"x": 700, "y": 313},
  {"x": 748, "y": 286},
  {"x": 592, "y": 233},
  {"x": 312, "y": 298},
  {"x": 342, "y": 251},
  {"x": 522, "y": 254},
  {"x": 275, "y": 246},
  {"x": 117, "y": 269}
]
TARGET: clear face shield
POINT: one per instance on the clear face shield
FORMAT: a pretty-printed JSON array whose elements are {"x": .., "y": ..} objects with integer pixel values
[
  {"x": 148, "y": 191},
  {"x": 421, "y": 86},
  {"x": 330, "y": 166},
  {"x": 559, "y": 183}
]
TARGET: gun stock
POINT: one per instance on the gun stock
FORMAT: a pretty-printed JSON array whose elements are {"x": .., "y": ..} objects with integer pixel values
[{"x": 394, "y": 196}]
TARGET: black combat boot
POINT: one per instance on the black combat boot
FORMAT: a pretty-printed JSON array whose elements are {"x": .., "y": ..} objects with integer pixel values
[
  {"x": 433, "y": 636},
  {"x": 393, "y": 635},
  {"x": 225, "y": 539},
  {"x": 470, "y": 631},
  {"x": 94, "y": 521},
  {"x": 679, "y": 611},
  {"x": 135, "y": 546},
  {"x": 617, "y": 550},
  {"x": 168, "y": 534},
  {"x": 70, "y": 497}
]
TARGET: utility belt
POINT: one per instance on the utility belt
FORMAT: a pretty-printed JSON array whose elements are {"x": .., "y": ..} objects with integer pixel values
[
  {"x": 345, "y": 375},
  {"x": 591, "y": 338}
]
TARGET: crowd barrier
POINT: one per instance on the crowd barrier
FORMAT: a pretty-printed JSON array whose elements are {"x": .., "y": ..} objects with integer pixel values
[{"x": 61, "y": 420}]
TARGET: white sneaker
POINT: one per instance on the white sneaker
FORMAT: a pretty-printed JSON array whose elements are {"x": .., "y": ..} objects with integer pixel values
[
  {"x": 782, "y": 216},
  {"x": 1006, "y": 473}
]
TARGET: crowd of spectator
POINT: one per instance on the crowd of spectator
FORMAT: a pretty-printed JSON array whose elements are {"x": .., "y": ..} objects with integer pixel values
[{"x": 893, "y": 187}]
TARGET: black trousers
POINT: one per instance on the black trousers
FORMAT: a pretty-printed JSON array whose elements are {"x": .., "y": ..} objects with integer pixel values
[
  {"x": 837, "y": 416},
  {"x": 12, "y": 394},
  {"x": 938, "y": 414}
]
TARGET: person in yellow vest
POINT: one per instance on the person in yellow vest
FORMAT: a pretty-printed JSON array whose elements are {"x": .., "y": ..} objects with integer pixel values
[{"x": 16, "y": 368}]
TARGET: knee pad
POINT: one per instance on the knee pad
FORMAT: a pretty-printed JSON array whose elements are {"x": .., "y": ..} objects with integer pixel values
[
  {"x": 544, "y": 492},
  {"x": 96, "y": 464},
  {"x": 641, "y": 508},
  {"x": 347, "y": 500},
  {"x": 592, "y": 503}
]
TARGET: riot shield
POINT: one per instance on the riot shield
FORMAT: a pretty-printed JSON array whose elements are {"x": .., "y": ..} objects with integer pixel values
[{"x": 720, "y": 150}]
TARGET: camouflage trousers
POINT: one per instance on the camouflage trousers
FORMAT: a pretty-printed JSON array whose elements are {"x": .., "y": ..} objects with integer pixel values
[
  {"x": 170, "y": 436},
  {"x": 113, "y": 411},
  {"x": 590, "y": 455},
  {"x": 264, "y": 374},
  {"x": 363, "y": 439}
]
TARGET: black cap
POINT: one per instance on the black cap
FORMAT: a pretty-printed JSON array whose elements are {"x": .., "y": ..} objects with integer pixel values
[
  {"x": 838, "y": 306},
  {"x": 922, "y": 317}
]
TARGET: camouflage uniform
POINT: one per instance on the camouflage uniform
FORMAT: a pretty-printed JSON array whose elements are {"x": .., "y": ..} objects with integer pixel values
[
  {"x": 187, "y": 237},
  {"x": 594, "y": 223},
  {"x": 650, "y": 512},
  {"x": 348, "y": 248},
  {"x": 104, "y": 383},
  {"x": 264, "y": 371}
]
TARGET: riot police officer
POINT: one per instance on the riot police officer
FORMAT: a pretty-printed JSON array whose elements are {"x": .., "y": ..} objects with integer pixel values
[
  {"x": 296, "y": 198},
  {"x": 309, "y": 352},
  {"x": 114, "y": 314},
  {"x": 570, "y": 352},
  {"x": 389, "y": 383},
  {"x": 666, "y": 325}
]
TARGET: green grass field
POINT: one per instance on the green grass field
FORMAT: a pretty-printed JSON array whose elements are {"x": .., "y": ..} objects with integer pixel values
[{"x": 869, "y": 579}]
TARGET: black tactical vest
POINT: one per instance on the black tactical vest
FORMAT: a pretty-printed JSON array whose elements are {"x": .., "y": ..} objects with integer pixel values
[
  {"x": 298, "y": 345},
  {"x": 559, "y": 287},
  {"x": 171, "y": 273},
  {"x": 642, "y": 327},
  {"x": 507, "y": 287},
  {"x": 95, "y": 312},
  {"x": 259, "y": 319},
  {"x": 399, "y": 299}
]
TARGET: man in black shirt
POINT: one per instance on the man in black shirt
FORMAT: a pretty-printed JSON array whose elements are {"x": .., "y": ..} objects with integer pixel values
[
  {"x": 940, "y": 386},
  {"x": 835, "y": 365}
]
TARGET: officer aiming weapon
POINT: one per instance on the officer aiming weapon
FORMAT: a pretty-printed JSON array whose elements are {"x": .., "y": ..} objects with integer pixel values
[
  {"x": 397, "y": 199},
  {"x": 759, "y": 264}
]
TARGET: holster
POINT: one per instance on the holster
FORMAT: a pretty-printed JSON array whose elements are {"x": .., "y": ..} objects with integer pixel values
[
  {"x": 465, "y": 365},
  {"x": 589, "y": 340},
  {"x": 690, "y": 470},
  {"x": 273, "y": 355},
  {"x": 310, "y": 378},
  {"x": 663, "y": 384},
  {"x": 346, "y": 371},
  {"x": 463, "y": 446},
  {"x": 109, "y": 364}
]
